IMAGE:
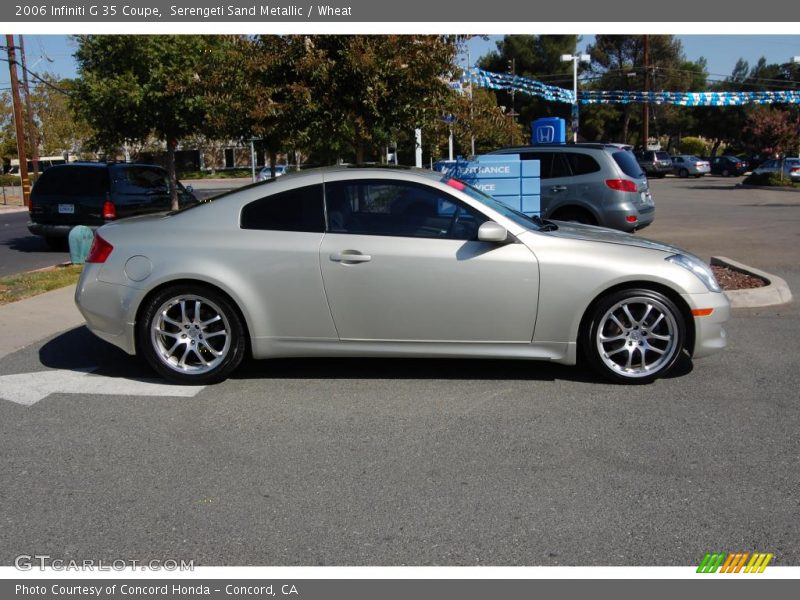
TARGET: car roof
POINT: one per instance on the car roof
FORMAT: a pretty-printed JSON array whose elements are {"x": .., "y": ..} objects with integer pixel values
[{"x": 578, "y": 145}]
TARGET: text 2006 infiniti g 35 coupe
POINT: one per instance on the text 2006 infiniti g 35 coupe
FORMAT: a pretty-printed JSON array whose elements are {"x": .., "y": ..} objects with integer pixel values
[{"x": 358, "y": 261}]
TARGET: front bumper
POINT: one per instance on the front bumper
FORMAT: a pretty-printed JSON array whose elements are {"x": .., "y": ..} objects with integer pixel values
[{"x": 709, "y": 334}]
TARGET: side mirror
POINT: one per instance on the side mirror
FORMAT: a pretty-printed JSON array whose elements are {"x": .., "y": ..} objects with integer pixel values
[
  {"x": 492, "y": 232},
  {"x": 189, "y": 189}
]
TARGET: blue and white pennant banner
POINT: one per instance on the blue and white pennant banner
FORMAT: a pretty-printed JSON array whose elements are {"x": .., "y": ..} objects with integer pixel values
[{"x": 502, "y": 81}]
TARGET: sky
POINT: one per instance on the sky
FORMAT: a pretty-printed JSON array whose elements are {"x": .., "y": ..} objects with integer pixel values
[{"x": 721, "y": 51}]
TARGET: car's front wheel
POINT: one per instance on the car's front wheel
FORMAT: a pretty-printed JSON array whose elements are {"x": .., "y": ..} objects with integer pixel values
[
  {"x": 683, "y": 173},
  {"x": 191, "y": 334},
  {"x": 634, "y": 336}
]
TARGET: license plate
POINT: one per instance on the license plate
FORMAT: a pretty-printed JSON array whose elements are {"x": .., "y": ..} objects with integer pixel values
[{"x": 66, "y": 209}]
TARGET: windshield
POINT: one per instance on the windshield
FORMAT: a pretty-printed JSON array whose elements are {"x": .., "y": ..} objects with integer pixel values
[{"x": 520, "y": 218}]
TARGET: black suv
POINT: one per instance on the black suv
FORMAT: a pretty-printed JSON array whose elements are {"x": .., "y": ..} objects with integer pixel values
[
  {"x": 655, "y": 163},
  {"x": 93, "y": 194}
]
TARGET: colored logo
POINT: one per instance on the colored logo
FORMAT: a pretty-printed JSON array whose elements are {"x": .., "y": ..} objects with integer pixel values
[{"x": 734, "y": 562}]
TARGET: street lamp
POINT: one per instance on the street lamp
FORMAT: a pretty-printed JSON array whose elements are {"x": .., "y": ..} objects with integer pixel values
[{"x": 575, "y": 58}]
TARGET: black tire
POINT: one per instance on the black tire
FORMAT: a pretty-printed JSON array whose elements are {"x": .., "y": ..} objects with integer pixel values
[
  {"x": 661, "y": 175},
  {"x": 726, "y": 173},
  {"x": 620, "y": 323},
  {"x": 576, "y": 215},
  {"x": 175, "y": 332},
  {"x": 683, "y": 173}
]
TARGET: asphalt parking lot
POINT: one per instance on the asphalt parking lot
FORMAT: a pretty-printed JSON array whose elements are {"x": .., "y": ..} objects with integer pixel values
[{"x": 428, "y": 462}]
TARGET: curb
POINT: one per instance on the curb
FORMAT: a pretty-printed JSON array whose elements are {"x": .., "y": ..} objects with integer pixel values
[
  {"x": 771, "y": 188},
  {"x": 775, "y": 292},
  {"x": 8, "y": 208}
]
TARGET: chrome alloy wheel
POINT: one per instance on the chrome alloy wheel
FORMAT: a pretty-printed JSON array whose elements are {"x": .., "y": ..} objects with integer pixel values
[
  {"x": 637, "y": 337},
  {"x": 190, "y": 334}
]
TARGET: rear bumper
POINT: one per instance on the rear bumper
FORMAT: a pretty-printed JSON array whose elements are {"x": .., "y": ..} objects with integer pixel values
[
  {"x": 618, "y": 218},
  {"x": 54, "y": 231},
  {"x": 109, "y": 309}
]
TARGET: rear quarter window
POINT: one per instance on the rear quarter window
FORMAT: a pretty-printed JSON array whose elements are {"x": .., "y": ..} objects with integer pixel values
[
  {"x": 299, "y": 209},
  {"x": 627, "y": 162}
]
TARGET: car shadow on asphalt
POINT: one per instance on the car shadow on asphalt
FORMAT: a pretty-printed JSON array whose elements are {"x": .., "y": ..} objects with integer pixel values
[
  {"x": 80, "y": 349},
  {"x": 30, "y": 243}
]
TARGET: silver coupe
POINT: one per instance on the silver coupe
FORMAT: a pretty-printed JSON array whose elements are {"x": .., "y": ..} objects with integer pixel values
[{"x": 391, "y": 262}]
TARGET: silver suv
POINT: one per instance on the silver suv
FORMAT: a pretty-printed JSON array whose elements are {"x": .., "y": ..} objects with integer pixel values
[{"x": 597, "y": 184}]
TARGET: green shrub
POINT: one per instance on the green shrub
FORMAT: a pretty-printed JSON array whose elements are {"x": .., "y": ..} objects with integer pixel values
[
  {"x": 227, "y": 174},
  {"x": 693, "y": 145}
]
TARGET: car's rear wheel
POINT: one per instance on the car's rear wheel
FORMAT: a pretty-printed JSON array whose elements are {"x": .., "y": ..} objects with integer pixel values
[
  {"x": 191, "y": 334},
  {"x": 634, "y": 336}
]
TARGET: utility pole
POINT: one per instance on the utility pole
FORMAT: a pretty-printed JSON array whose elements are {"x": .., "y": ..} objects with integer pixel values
[
  {"x": 645, "y": 105},
  {"x": 18, "y": 118},
  {"x": 471, "y": 104},
  {"x": 512, "y": 67},
  {"x": 34, "y": 138}
]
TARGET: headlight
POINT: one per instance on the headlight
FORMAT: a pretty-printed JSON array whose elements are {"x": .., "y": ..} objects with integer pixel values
[{"x": 700, "y": 269}]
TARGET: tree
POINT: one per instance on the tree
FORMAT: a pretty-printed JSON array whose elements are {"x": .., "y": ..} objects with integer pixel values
[
  {"x": 60, "y": 129},
  {"x": 618, "y": 64},
  {"x": 133, "y": 86},
  {"x": 369, "y": 88},
  {"x": 535, "y": 57},
  {"x": 772, "y": 131}
]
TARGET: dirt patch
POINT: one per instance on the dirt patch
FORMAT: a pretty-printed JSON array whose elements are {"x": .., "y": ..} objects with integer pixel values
[{"x": 730, "y": 279}]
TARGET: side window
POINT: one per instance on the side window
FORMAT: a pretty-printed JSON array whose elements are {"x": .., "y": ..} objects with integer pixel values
[
  {"x": 295, "y": 210},
  {"x": 560, "y": 165},
  {"x": 140, "y": 180},
  {"x": 582, "y": 164},
  {"x": 381, "y": 207}
]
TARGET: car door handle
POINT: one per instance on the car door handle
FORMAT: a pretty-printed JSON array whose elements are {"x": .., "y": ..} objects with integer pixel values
[
  {"x": 558, "y": 188},
  {"x": 350, "y": 256}
]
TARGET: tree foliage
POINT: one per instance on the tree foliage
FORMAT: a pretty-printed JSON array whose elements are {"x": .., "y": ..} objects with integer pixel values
[
  {"x": 60, "y": 129},
  {"x": 535, "y": 57},
  {"x": 134, "y": 86}
]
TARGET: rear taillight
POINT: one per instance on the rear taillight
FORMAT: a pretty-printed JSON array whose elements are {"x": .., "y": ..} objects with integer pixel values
[
  {"x": 109, "y": 210},
  {"x": 99, "y": 251},
  {"x": 621, "y": 185},
  {"x": 631, "y": 219}
]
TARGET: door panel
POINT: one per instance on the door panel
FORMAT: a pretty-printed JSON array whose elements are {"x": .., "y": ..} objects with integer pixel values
[{"x": 414, "y": 289}]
